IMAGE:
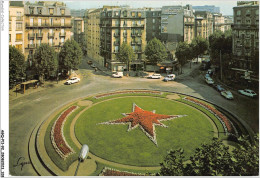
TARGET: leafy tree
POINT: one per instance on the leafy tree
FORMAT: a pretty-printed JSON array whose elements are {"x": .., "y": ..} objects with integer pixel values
[
  {"x": 183, "y": 53},
  {"x": 215, "y": 159},
  {"x": 70, "y": 55},
  {"x": 16, "y": 65},
  {"x": 126, "y": 54},
  {"x": 199, "y": 45},
  {"x": 155, "y": 51},
  {"x": 83, "y": 44},
  {"x": 220, "y": 41},
  {"x": 45, "y": 60}
]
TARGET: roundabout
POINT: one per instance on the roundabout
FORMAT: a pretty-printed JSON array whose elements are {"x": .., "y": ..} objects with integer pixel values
[{"x": 130, "y": 130}]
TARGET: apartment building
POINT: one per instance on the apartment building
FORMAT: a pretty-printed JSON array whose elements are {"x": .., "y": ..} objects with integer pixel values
[
  {"x": 46, "y": 22},
  {"x": 153, "y": 23},
  {"x": 203, "y": 24},
  {"x": 246, "y": 41},
  {"x": 16, "y": 25},
  {"x": 218, "y": 22},
  {"x": 118, "y": 26},
  {"x": 78, "y": 28},
  {"x": 177, "y": 24}
]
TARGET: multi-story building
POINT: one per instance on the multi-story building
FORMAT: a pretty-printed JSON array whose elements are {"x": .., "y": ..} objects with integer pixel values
[
  {"x": 118, "y": 26},
  {"x": 78, "y": 28},
  {"x": 77, "y": 13},
  {"x": 245, "y": 45},
  {"x": 153, "y": 23},
  {"x": 177, "y": 24},
  {"x": 208, "y": 8},
  {"x": 218, "y": 22},
  {"x": 46, "y": 22},
  {"x": 228, "y": 21},
  {"x": 203, "y": 24},
  {"x": 16, "y": 25}
]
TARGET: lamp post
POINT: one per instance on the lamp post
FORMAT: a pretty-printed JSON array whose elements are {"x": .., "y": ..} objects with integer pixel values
[{"x": 82, "y": 155}]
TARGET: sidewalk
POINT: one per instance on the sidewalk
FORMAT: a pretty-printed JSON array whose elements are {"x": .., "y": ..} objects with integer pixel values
[{"x": 189, "y": 70}]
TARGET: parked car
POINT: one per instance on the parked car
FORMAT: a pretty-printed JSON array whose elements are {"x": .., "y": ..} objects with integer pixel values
[
  {"x": 219, "y": 88},
  {"x": 248, "y": 92},
  {"x": 72, "y": 80},
  {"x": 210, "y": 72},
  {"x": 89, "y": 62},
  {"x": 206, "y": 76},
  {"x": 169, "y": 77},
  {"x": 117, "y": 75},
  {"x": 227, "y": 94},
  {"x": 154, "y": 76},
  {"x": 209, "y": 81}
]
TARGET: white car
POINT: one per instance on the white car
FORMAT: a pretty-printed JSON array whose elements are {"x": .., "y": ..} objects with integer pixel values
[
  {"x": 227, "y": 94},
  {"x": 72, "y": 80},
  {"x": 247, "y": 92},
  {"x": 154, "y": 76},
  {"x": 117, "y": 75},
  {"x": 209, "y": 81},
  {"x": 169, "y": 77}
]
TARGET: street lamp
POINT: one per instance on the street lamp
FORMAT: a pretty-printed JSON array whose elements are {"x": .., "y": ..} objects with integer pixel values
[{"x": 82, "y": 155}]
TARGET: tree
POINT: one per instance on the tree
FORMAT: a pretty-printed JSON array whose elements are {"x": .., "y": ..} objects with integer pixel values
[
  {"x": 183, "y": 53},
  {"x": 16, "y": 65},
  {"x": 155, "y": 51},
  {"x": 45, "y": 61},
  {"x": 215, "y": 159},
  {"x": 83, "y": 44},
  {"x": 70, "y": 55},
  {"x": 220, "y": 41},
  {"x": 126, "y": 55},
  {"x": 199, "y": 45}
]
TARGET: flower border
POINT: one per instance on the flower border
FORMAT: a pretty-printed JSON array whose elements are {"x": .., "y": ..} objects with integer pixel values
[
  {"x": 226, "y": 123},
  {"x": 62, "y": 118},
  {"x": 115, "y": 172},
  {"x": 123, "y": 92}
]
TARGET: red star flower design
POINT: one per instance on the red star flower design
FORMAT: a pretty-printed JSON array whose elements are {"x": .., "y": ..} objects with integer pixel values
[{"x": 146, "y": 120}]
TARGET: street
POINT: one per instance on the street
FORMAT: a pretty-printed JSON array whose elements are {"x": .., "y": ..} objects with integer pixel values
[{"x": 26, "y": 112}]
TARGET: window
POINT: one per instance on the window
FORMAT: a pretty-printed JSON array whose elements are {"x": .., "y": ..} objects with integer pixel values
[
  {"x": 257, "y": 12},
  {"x": 9, "y": 37},
  {"x": 238, "y": 21},
  {"x": 39, "y": 42},
  {"x": 133, "y": 14},
  {"x": 62, "y": 22},
  {"x": 62, "y": 40},
  {"x": 62, "y": 31},
  {"x": 39, "y": 22},
  {"x": 139, "y": 14},
  {"x": 31, "y": 21},
  {"x": 18, "y": 16},
  {"x": 39, "y": 10},
  {"x": 153, "y": 20},
  {"x": 116, "y": 48},
  {"x": 248, "y": 12},
  {"x": 125, "y": 13},
  {"x": 19, "y": 25},
  {"x": 238, "y": 12},
  {"x": 248, "y": 21},
  {"x": 153, "y": 13},
  {"x": 31, "y": 9},
  {"x": 51, "y": 10},
  {"x": 10, "y": 25},
  {"x": 116, "y": 13},
  {"x": 62, "y": 11},
  {"x": 50, "y": 41},
  {"x": 51, "y": 21},
  {"x": 19, "y": 37},
  {"x": 19, "y": 46}
]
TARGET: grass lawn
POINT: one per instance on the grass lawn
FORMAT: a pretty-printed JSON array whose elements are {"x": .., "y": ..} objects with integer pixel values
[{"x": 115, "y": 143}]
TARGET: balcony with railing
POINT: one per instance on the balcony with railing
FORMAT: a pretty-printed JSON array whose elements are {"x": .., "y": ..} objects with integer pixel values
[
  {"x": 31, "y": 45},
  {"x": 133, "y": 42},
  {"x": 19, "y": 18},
  {"x": 39, "y": 35},
  {"x": 116, "y": 34},
  {"x": 51, "y": 35},
  {"x": 62, "y": 33},
  {"x": 31, "y": 35},
  {"x": 116, "y": 43}
]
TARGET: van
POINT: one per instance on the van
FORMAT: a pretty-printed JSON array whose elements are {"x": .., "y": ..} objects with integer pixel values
[{"x": 117, "y": 75}]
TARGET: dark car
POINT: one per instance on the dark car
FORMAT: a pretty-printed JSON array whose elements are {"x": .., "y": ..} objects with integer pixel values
[{"x": 219, "y": 88}]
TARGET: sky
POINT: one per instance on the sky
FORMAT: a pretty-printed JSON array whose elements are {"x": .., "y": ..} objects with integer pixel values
[{"x": 226, "y": 7}]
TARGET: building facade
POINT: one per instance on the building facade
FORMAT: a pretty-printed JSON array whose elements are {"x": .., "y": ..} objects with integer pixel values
[
  {"x": 46, "y": 22},
  {"x": 78, "y": 29},
  {"x": 203, "y": 24},
  {"x": 16, "y": 25},
  {"x": 153, "y": 24},
  {"x": 245, "y": 44},
  {"x": 118, "y": 26}
]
